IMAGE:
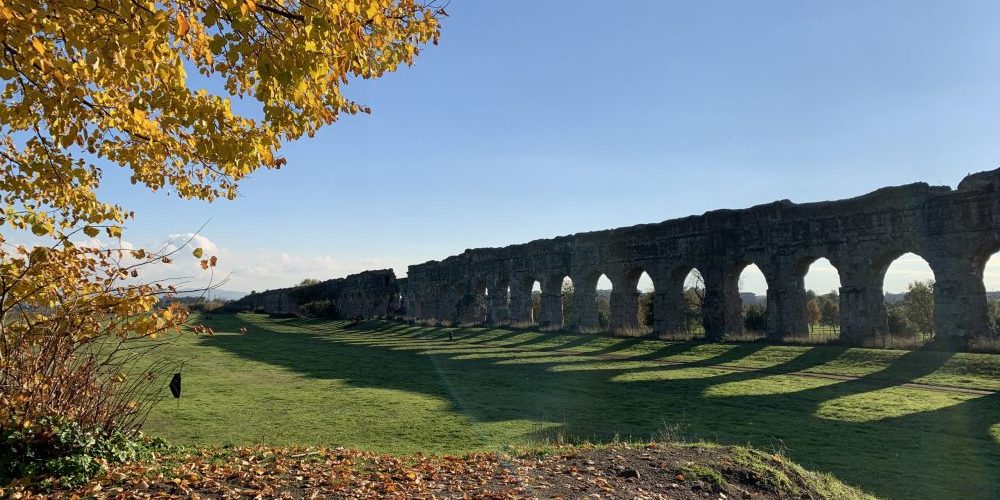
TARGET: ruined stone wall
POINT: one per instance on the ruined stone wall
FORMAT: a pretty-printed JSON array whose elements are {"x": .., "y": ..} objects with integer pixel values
[
  {"x": 955, "y": 231},
  {"x": 370, "y": 294}
]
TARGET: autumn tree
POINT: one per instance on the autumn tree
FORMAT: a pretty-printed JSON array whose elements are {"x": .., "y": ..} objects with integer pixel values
[
  {"x": 90, "y": 85},
  {"x": 813, "y": 312}
]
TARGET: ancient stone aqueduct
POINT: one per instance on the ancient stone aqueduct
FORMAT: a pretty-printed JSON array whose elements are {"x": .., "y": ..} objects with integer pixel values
[{"x": 955, "y": 231}]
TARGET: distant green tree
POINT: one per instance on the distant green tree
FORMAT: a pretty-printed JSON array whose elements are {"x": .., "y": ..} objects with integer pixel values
[
  {"x": 308, "y": 281},
  {"x": 993, "y": 312},
  {"x": 899, "y": 322},
  {"x": 918, "y": 306},
  {"x": 830, "y": 309}
]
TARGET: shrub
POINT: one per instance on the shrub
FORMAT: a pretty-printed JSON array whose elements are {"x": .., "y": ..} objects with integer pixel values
[
  {"x": 320, "y": 309},
  {"x": 755, "y": 318},
  {"x": 899, "y": 322},
  {"x": 55, "y": 451}
]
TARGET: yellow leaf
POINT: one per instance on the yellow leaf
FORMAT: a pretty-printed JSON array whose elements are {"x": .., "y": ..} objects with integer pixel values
[
  {"x": 38, "y": 45},
  {"x": 182, "y": 25},
  {"x": 91, "y": 231},
  {"x": 197, "y": 253},
  {"x": 42, "y": 228}
]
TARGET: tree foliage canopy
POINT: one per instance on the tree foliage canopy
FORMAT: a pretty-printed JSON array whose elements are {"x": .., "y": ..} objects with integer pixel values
[{"x": 108, "y": 79}]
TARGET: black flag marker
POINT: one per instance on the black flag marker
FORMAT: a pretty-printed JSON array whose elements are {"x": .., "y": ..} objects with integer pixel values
[{"x": 175, "y": 385}]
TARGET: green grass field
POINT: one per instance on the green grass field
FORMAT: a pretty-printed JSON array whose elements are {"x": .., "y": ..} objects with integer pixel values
[{"x": 398, "y": 388}]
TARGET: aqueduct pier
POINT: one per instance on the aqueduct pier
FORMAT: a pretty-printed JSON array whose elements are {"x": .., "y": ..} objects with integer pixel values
[{"x": 954, "y": 230}]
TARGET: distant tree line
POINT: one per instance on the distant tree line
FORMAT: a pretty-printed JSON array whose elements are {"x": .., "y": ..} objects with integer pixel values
[{"x": 194, "y": 304}]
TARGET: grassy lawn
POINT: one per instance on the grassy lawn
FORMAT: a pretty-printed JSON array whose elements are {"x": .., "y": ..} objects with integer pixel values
[{"x": 397, "y": 388}]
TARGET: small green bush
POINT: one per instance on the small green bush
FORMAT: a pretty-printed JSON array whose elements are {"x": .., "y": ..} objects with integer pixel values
[
  {"x": 769, "y": 471},
  {"x": 710, "y": 476},
  {"x": 319, "y": 309},
  {"x": 899, "y": 323},
  {"x": 55, "y": 451},
  {"x": 755, "y": 318}
]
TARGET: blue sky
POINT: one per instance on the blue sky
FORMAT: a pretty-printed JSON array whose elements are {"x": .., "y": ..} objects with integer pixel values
[{"x": 538, "y": 119}]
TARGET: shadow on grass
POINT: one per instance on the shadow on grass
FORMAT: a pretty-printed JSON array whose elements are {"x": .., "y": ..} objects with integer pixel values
[{"x": 899, "y": 443}]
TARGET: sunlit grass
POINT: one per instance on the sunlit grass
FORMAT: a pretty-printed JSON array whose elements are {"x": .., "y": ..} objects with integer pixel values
[
  {"x": 770, "y": 385},
  {"x": 888, "y": 403},
  {"x": 669, "y": 374}
]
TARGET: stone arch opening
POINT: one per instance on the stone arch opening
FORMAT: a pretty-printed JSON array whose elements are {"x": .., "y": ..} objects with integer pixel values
[
  {"x": 564, "y": 302},
  {"x": 603, "y": 289},
  {"x": 686, "y": 317},
  {"x": 498, "y": 302},
  {"x": 991, "y": 287},
  {"x": 469, "y": 303},
  {"x": 907, "y": 283},
  {"x": 821, "y": 282},
  {"x": 523, "y": 313},
  {"x": 694, "y": 291},
  {"x": 646, "y": 303},
  {"x": 638, "y": 303},
  {"x": 536, "y": 302},
  {"x": 535, "y": 293},
  {"x": 749, "y": 302},
  {"x": 479, "y": 303}
]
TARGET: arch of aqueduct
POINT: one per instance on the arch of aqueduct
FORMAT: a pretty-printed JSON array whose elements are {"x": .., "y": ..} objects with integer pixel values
[{"x": 954, "y": 230}]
